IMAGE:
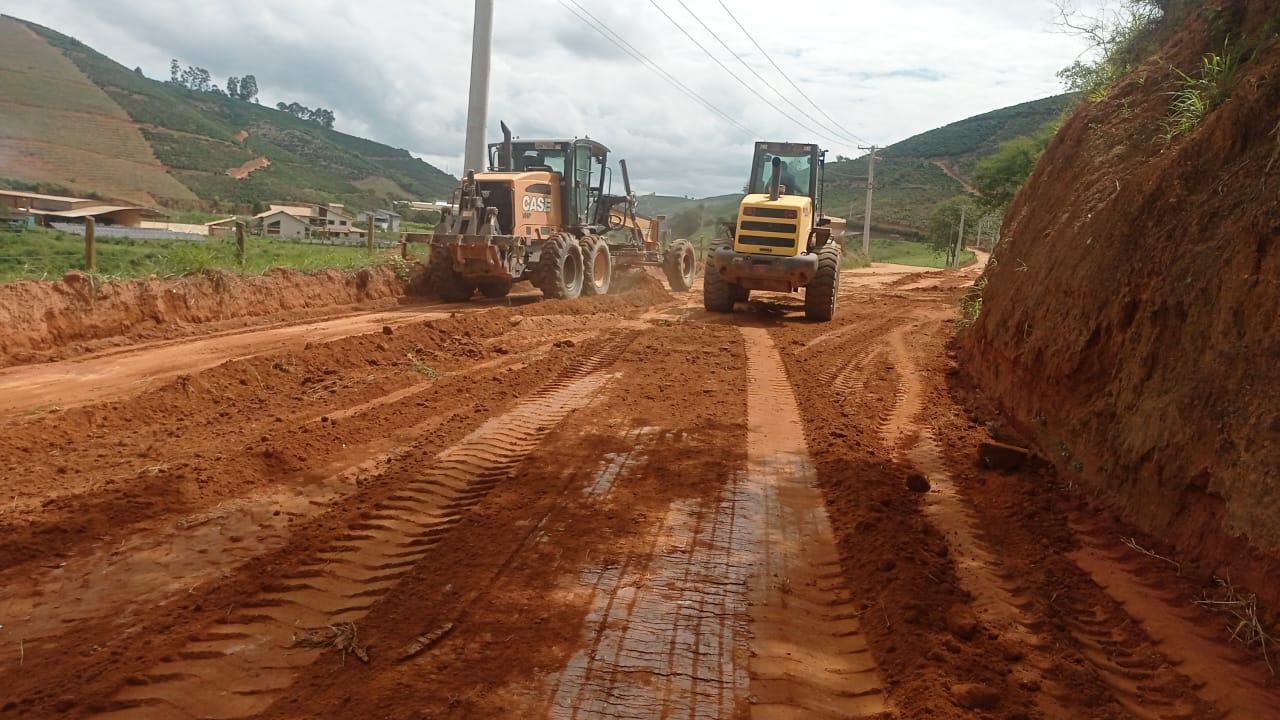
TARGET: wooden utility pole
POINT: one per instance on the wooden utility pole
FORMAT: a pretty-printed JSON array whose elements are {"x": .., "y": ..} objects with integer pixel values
[
  {"x": 871, "y": 184},
  {"x": 239, "y": 242},
  {"x": 369, "y": 234},
  {"x": 960, "y": 238},
  {"x": 90, "y": 252}
]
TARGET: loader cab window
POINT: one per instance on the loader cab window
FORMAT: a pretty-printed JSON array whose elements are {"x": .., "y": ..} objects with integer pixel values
[{"x": 797, "y": 174}]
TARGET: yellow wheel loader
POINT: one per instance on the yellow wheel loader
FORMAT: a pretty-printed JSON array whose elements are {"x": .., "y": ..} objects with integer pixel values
[
  {"x": 780, "y": 241},
  {"x": 543, "y": 212}
]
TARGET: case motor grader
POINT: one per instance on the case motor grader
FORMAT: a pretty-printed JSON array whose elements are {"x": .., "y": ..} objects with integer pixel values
[
  {"x": 543, "y": 213},
  {"x": 780, "y": 241}
]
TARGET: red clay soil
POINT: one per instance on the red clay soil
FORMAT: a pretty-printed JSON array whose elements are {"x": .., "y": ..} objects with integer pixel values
[
  {"x": 1129, "y": 323},
  {"x": 48, "y": 320},
  {"x": 243, "y": 171},
  {"x": 563, "y": 510}
]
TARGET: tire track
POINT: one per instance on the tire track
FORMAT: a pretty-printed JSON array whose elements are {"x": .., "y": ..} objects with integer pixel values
[
  {"x": 808, "y": 655},
  {"x": 148, "y": 565},
  {"x": 239, "y": 666},
  {"x": 1137, "y": 675},
  {"x": 731, "y": 605},
  {"x": 1139, "y": 663},
  {"x": 996, "y": 600}
]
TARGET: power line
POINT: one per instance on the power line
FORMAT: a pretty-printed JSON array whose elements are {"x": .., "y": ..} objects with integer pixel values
[
  {"x": 788, "y": 78},
  {"x": 735, "y": 76},
  {"x": 599, "y": 26},
  {"x": 759, "y": 77}
]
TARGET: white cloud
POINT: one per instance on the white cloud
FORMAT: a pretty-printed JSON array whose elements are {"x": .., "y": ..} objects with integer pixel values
[{"x": 397, "y": 71}]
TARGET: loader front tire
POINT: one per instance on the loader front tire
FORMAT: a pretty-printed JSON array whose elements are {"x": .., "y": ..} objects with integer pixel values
[
  {"x": 597, "y": 266},
  {"x": 821, "y": 292},
  {"x": 680, "y": 265},
  {"x": 717, "y": 293},
  {"x": 559, "y": 273}
]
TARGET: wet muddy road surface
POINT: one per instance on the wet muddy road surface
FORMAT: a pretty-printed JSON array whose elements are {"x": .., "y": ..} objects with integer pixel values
[{"x": 621, "y": 507}]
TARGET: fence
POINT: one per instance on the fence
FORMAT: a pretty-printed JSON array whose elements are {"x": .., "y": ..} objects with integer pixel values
[{"x": 137, "y": 233}]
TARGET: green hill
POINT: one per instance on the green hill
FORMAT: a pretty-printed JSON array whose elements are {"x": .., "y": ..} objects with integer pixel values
[
  {"x": 192, "y": 138},
  {"x": 910, "y": 176}
]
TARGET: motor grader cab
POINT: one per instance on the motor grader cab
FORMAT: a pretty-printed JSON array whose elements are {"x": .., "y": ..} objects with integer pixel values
[
  {"x": 780, "y": 240},
  {"x": 543, "y": 212}
]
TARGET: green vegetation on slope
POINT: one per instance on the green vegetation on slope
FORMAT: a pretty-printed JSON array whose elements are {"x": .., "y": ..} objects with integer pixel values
[
  {"x": 58, "y": 128},
  {"x": 196, "y": 135}
]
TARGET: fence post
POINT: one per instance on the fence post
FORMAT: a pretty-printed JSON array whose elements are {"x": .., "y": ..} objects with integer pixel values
[
  {"x": 239, "y": 242},
  {"x": 369, "y": 233},
  {"x": 404, "y": 248},
  {"x": 90, "y": 252}
]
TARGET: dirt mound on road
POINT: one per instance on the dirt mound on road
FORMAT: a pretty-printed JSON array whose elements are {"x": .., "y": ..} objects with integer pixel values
[
  {"x": 52, "y": 320},
  {"x": 1129, "y": 324}
]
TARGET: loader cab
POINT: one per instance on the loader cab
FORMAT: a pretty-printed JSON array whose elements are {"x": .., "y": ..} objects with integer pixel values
[
  {"x": 783, "y": 225},
  {"x": 802, "y": 165},
  {"x": 578, "y": 168}
]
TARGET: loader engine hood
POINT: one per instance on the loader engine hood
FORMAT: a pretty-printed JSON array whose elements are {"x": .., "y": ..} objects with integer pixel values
[{"x": 773, "y": 227}]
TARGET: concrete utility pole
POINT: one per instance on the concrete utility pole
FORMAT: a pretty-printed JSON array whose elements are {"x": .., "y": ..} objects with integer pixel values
[
  {"x": 959, "y": 238},
  {"x": 478, "y": 104},
  {"x": 871, "y": 184}
]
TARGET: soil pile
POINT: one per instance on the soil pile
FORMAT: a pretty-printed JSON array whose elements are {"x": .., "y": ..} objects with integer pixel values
[
  {"x": 1129, "y": 326},
  {"x": 47, "y": 320}
]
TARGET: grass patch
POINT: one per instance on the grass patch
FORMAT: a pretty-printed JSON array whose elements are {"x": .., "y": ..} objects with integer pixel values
[
  {"x": 36, "y": 254},
  {"x": 906, "y": 252},
  {"x": 1196, "y": 96}
]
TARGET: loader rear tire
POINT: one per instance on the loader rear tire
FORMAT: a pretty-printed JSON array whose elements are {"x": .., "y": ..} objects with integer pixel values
[
  {"x": 597, "y": 266},
  {"x": 559, "y": 272},
  {"x": 495, "y": 288},
  {"x": 717, "y": 293},
  {"x": 450, "y": 284},
  {"x": 821, "y": 292},
  {"x": 680, "y": 265}
]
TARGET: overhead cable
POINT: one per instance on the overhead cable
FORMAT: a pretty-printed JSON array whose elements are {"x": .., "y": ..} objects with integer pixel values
[
  {"x": 600, "y": 27},
  {"x": 732, "y": 74},
  {"x": 788, "y": 78}
]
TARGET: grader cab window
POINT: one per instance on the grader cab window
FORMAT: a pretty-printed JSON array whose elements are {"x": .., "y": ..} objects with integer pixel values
[{"x": 540, "y": 160}]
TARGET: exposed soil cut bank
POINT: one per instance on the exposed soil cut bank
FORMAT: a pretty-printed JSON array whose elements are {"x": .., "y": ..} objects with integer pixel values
[
  {"x": 1129, "y": 327},
  {"x": 50, "y": 320}
]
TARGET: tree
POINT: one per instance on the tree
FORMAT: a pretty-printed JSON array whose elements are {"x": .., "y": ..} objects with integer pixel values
[
  {"x": 319, "y": 116},
  {"x": 323, "y": 117},
  {"x": 233, "y": 86},
  {"x": 1117, "y": 41},
  {"x": 687, "y": 221},
  {"x": 1000, "y": 175},
  {"x": 174, "y": 71},
  {"x": 248, "y": 88},
  {"x": 944, "y": 224}
]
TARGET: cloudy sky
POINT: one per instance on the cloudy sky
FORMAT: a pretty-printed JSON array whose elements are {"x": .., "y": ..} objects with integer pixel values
[{"x": 397, "y": 71}]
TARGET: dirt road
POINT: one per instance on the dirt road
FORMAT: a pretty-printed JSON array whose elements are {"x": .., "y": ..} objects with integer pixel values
[{"x": 618, "y": 507}]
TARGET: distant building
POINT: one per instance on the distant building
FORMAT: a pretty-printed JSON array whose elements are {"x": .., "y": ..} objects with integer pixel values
[
  {"x": 281, "y": 223},
  {"x": 221, "y": 228},
  {"x": 384, "y": 220},
  {"x": 48, "y": 208},
  {"x": 318, "y": 221}
]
